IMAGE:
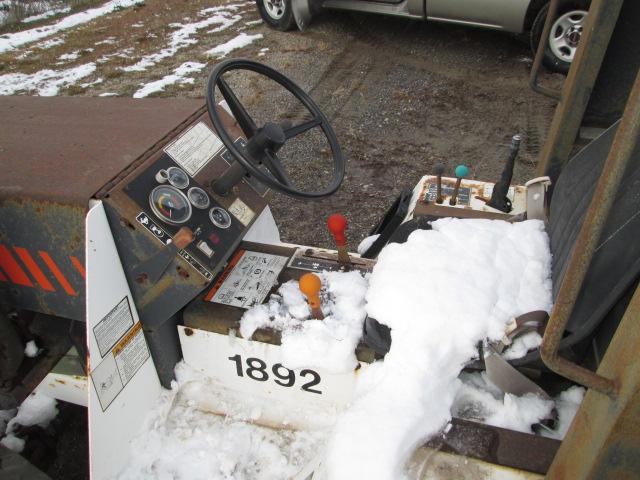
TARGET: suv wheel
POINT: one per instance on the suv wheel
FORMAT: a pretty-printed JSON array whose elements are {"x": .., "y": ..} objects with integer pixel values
[
  {"x": 564, "y": 35},
  {"x": 277, "y": 14}
]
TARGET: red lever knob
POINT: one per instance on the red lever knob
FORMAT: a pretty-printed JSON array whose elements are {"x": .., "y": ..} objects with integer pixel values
[{"x": 337, "y": 225}]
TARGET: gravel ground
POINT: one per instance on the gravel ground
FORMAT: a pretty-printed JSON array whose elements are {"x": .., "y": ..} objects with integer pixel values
[{"x": 401, "y": 95}]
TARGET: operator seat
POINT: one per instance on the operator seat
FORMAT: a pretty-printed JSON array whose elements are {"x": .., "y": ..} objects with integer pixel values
[{"x": 615, "y": 268}]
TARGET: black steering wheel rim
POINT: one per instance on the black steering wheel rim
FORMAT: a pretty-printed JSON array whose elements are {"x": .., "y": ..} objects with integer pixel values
[{"x": 319, "y": 120}]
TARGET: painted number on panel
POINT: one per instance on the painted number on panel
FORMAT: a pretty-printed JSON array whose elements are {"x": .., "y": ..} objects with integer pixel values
[{"x": 257, "y": 369}]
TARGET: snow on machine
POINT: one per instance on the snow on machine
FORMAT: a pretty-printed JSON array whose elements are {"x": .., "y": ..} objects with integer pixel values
[{"x": 146, "y": 225}]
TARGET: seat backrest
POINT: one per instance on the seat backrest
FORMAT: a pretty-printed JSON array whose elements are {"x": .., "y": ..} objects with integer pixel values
[{"x": 616, "y": 263}]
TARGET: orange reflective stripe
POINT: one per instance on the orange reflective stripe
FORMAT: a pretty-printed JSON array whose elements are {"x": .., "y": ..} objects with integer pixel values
[
  {"x": 13, "y": 270},
  {"x": 33, "y": 267},
  {"x": 57, "y": 273},
  {"x": 78, "y": 264}
]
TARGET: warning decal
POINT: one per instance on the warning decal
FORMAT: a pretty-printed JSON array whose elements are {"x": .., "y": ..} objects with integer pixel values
[
  {"x": 125, "y": 355},
  {"x": 241, "y": 211},
  {"x": 113, "y": 326},
  {"x": 247, "y": 279},
  {"x": 195, "y": 148}
]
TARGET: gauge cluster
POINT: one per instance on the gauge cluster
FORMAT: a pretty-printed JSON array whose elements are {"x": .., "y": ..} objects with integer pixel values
[{"x": 171, "y": 199}]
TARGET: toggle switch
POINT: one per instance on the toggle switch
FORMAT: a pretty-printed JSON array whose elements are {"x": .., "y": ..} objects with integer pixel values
[
  {"x": 461, "y": 172},
  {"x": 438, "y": 169},
  {"x": 337, "y": 225},
  {"x": 310, "y": 285}
]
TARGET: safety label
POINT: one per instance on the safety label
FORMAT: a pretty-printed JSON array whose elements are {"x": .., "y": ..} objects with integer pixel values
[
  {"x": 247, "y": 279},
  {"x": 195, "y": 148},
  {"x": 241, "y": 211},
  {"x": 116, "y": 369},
  {"x": 464, "y": 193},
  {"x": 113, "y": 326}
]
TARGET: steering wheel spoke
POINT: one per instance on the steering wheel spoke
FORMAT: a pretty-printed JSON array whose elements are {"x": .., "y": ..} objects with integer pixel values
[
  {"x": 274, "y": 165},
  {"x": 243, "y": 118},
  {"x": 301, "y": 128}
]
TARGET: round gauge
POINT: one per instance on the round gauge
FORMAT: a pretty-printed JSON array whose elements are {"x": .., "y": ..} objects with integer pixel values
[
  {"x": 170, "y": 204},
  {"x": 177, "y": 177},
  {"x": 198, "y": 198},
  {"x": 219, "y": 217}
]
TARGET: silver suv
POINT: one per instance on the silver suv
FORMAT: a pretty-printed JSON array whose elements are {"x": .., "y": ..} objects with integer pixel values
[{"x": 515, "y": 16}]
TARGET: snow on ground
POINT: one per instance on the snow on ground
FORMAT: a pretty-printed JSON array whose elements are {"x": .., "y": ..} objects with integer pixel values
[
  {"x": 240, "y": 41},
  {"x": 44, "y": 82},
  {"x": 180, "y": 442},
  {"x": 47, "y": 14},
  {"x": 37, "y": 409},
  {"x": 223, "y": 16},
  {"x": 441, "y": 292},
  {"x": 567, "y": 404},
  {"x": 11, "y": 41},
  {"x": 328, "y": 343},
  {"x": 179, "y": 75}
]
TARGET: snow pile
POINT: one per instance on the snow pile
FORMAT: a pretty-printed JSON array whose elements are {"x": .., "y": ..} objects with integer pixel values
[
  {"x": 183, "y": 36},
  {"x": 45, "y": 82},
  {"x": 240, "y": 41},
  {"x": 328, "y": 344},
  {"x": 37, "y": 409},
  {"x": 479, "y": 400},
  {"x": 441, "y": 292},
  {"x": 567, "y": 404},
  {"x": 522, "y": 344},
  {"x": 31, "y": 349},
  {"x": 180, "y": 442},
  {"x": 179, "y": 75},
  {"x": 11, "y": 41}
]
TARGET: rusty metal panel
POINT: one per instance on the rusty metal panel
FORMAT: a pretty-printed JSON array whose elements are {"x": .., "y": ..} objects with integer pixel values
[
  {"x": 64, "y": 149},
  {"x": 604, "y": 438},
  {"x": 42, "y": 256}
]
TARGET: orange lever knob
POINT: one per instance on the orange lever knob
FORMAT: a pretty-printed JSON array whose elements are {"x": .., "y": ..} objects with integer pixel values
[
  {"x": 310, "y": 285},
  {"x": 337, "y": 225}
]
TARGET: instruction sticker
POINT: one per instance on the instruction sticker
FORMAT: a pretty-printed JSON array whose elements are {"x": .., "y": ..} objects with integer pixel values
[
  {"x": 113, "y": 326},
  {"x": 241, "y": 211},
  {"x": 116, "y": 369},
  {"x": 195, "y": 148},
  {"x": 247, "y": 280}
]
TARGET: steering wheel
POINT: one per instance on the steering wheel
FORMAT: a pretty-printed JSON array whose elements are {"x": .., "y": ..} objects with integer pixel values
[{"x": 264, "y": 142}]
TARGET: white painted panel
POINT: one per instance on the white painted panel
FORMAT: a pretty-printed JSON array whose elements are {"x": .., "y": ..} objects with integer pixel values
[
  {"x": 231, "y": 363},
  {"x": 125, "y": 377}
]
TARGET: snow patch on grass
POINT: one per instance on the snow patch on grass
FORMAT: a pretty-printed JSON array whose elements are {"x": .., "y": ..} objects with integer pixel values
[
  {"x": 11, "y": 41},
  {"x": 50, "y": 13},
  {"x": 184, "y": 35},
  {"x": 45, "y": 83},
  {"x": 179, "y": 75},
  {"x": 240, "y": 41}
]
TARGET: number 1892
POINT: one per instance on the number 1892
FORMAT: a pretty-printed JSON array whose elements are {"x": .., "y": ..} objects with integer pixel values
[{"x": 256, "y": 369}]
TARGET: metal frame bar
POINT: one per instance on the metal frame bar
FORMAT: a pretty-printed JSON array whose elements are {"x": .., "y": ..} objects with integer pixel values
[
  {"x": 601, "y": 22},
  {"x": 542, "y": 46},
  {"x": 596, "y": 216}
]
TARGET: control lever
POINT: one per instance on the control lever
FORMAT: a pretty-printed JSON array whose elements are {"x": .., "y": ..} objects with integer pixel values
[
  {"x": 310, "y": 284},
  {"x": 499, "y": 199},
  {"x": 337, "y": 225},
  {"x": 461, "y": 172},
  {"x": 154, "y": 267},
  {"x": 438, "y": 169}
]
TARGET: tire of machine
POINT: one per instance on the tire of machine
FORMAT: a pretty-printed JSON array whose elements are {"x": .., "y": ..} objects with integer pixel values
[
  {"x": 283, "y": 22},
  {"x": 550, "y": 60}
]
